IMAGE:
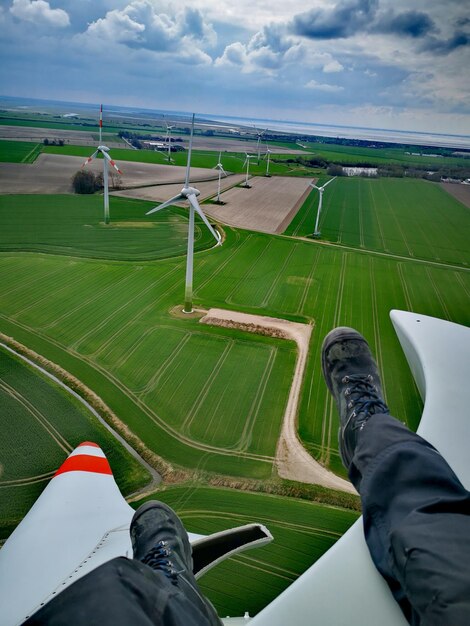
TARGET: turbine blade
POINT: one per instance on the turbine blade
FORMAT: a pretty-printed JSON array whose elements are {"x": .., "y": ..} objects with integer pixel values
[
  {"x": 188, "y": 165},
  {"x": 195, "y": 204},
  {"x": 106, "y": 156},
  {"x": 90, "y": 158},
  {"x": 314, "y": 186},
  {"x": 163, "y": 205},
  {"x": 328, "y": 182},
  {"x": 223, "y": 171}
]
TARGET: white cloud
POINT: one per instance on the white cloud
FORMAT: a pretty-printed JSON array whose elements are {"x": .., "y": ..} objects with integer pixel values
[
  {"x": 143, "y": 24},
  {"x": 39, "y": 11},
  {"x": 268, "y": 51},
  {"x": 332, "y": 67},
  {"x": 313, "y": 84},
  {"x": 117, "y": 26}
]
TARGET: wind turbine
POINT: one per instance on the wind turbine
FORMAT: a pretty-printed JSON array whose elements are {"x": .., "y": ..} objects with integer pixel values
[
  {"x": 190, "y": 194},
  {"x": 219, "y": 167},
  {"x": 247, "y": 163},
  {"x": 258, "y": 143},
  {"x": 106, "y": 159},
  {"x": 268, "y": 152},
  {"x": 321, "y": 189},
  {"x": 168, "y": 138}
]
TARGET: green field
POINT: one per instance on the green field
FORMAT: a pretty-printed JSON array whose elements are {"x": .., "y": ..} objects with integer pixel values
[
  {"x": 175, "y": 380},
  {"x": 41, "y": 424},
  {"x": 410, "y": 156},
  {"x": 73, "y": 225},
  {"x": 19, "y": 151},
  {"x": 302, "y": 532},
  {"x": 410, "y": 218},
  {"x": 232, "y": 161},
  {"x": 212, "y": 399}
]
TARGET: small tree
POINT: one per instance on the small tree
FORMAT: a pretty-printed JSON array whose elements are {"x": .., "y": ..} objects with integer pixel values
[
  {"x": 84, "y": 181},
  {"x": 335, "y": 170}
]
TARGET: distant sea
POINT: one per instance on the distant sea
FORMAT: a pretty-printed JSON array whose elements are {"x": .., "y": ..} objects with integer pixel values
[{"x": 285, "y": 126}]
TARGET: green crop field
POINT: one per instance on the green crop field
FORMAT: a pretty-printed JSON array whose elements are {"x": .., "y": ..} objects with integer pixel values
[
  {"x": 109, "y": 324},
  {"x": 410, "y": 218},
  {"x": 18, "y": 151},
  {"x": 73, "y": 224},
  {"x": 232, "y": 161},
  {"x": 302, "y": 532},
  {"x": 351, "y": 155},
  {"x": 41, "y": 424},
  {"x": 209, "y": 398}
]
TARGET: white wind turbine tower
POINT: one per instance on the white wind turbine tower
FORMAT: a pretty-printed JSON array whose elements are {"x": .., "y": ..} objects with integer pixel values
[
  {"x": 258, "y": 143},
  {"x": 168, "y": 138},
  {"x": 321, "y": 189},
  {"x": 190, "y": 194},
  {"x": 219, "y": 167},
  {"x": 268, "y": 153},
  {"x": 247, "y": 163},
  {"x": 106, "y": 159}
]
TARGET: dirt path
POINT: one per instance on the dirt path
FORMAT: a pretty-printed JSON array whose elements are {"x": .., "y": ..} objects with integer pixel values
[{"x": 292, "y": 460}]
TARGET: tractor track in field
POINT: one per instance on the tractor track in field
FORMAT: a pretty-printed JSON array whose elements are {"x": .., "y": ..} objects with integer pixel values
[
  {"x": 303, "y": 528},
  {"x": 292, "y": 459},
  {"x": 387, "y": 255},
  {"x": 142, "y": 405},
  {"x": 37, "y": 415}
]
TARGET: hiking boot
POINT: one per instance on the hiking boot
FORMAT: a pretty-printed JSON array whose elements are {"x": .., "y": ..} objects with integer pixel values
[
  {"x": 352, "y": 377},
  {"x": 160, "y": 541}
]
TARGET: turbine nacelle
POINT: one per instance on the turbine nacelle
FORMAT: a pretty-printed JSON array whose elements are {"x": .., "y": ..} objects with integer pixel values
[{"x": 190, "y": 191}]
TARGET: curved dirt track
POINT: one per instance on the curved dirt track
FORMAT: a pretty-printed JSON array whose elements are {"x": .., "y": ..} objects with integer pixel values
[{"x": 292, "y": 460}]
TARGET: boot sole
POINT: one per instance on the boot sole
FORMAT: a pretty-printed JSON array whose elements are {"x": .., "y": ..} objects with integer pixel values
[{"x": 334, "y": 336}]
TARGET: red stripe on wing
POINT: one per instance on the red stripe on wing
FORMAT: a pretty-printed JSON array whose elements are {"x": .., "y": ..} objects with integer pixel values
[{"x": 85, "y": 463}]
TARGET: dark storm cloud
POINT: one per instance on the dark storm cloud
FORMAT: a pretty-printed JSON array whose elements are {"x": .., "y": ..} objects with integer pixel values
[
  {"x": 343, "y": 20},
  {"x": 408, "y": 23},
  {"x": 350, "y": 17},
  {"x": 446, "y": 46}
]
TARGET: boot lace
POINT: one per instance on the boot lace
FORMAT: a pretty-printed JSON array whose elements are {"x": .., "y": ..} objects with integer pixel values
[
  {"x": 158, "y": 558},
  {"x": 363, "y": 399}
]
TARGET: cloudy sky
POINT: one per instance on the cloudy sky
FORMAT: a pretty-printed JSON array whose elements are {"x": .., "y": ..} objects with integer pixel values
[{"x": 400, "y": 64}]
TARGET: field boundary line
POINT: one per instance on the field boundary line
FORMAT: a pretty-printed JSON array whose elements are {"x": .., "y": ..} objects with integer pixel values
[
  {"x": 156, "y": 477},
  {"x": 387, "y": 255}
]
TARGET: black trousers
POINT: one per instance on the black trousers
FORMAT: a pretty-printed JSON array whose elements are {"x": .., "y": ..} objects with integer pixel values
[
  {"x": 416, "y": 522},
  {"x": 124, "y": 592}
]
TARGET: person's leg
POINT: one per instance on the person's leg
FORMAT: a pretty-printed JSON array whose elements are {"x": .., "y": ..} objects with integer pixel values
[
  {"x": 157, "y": 587},
  {"x": 122, "y": 592},
  {"x": 416, "y": 512}
]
